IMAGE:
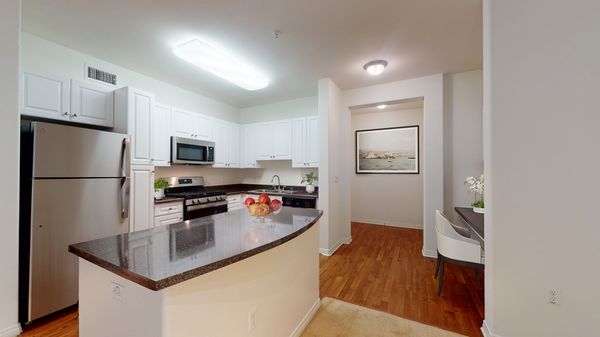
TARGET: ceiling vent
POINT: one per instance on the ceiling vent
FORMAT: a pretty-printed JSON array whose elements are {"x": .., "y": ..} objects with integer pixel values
[{"x": 96, "y": 74}]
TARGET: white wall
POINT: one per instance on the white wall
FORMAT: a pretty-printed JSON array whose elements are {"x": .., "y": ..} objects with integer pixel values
[
  {"x": 334, "y": 181},
  {"x": 541, "y": 121},
  {"x": 388, "y": 199},
  {"x": 10, "y": 27},
  {"x": 463, "y": 136},
  {"x": 431, "y": 89},
  {"x": 39, "y": 55},
  {"x": 220, "y": 176},
  {"x": 302, "y": 107}
]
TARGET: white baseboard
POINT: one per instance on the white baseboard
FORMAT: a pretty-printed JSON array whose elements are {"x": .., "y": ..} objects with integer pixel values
[
  {"x": 486, "y": 330},
  {"x": 429, "y": 253},
  {"x": 389, "y": 223},
  {"x": 11, "y": 331},
  {"x": 307, "y": 318},
  {"x": 329, "y": 252}
]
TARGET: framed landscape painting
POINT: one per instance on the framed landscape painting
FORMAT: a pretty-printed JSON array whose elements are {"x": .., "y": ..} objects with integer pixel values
[{"x": 390, "y": 150}]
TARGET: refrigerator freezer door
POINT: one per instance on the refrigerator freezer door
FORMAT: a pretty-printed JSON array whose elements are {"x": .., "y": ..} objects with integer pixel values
[
  {"x": 72, "y": 152},
  {"x": 67, "y": 211}
]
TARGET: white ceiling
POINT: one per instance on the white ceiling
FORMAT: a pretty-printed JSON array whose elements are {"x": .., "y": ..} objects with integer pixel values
[{"x": 320, "y": 38}]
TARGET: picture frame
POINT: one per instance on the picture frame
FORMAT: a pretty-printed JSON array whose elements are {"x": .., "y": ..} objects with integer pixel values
[{"x": 393, "y": 150}]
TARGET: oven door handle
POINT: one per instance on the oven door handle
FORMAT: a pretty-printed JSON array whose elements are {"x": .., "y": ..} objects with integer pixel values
[{"x": 203, "y": 206}]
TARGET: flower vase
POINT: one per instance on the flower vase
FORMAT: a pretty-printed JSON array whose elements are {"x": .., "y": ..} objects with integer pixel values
[
  {"x": 159, "y": 193},
  {"x": 479, "y": 210},
  {"x": 310, "y": 188}
]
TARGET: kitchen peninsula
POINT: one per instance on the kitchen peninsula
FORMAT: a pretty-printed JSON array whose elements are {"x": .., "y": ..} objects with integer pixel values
[{"x": 224, "y": 275}]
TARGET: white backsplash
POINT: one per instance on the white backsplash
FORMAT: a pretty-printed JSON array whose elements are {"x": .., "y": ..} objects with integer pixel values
[{"x": 221, "y": 176}]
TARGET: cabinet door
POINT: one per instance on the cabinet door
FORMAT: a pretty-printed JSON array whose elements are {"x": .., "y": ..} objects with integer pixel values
[
  {"x": 221, "y": 143},
  {"x": 183, "y": 123},
  {"x": 263, "y": 141},
  {"x": 140, "y": 126},
  {"x": 142, "y": 198},
  {"x": 312, "y": 148},
  {"x": 248, "y": 146},
  {"x": 45, "y": 96},
  {"x": 281, "y": 139},
  {"x": 202, "y": 127},
  {"x": 92, "y": 104},
  {"x": 299, "y": 140},
  {"x": 161, "y": 135},
  {"x": 234, "y": 145}
]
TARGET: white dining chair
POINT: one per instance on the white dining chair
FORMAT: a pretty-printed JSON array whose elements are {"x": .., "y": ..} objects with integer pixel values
[{"x": 454, "y": 248}]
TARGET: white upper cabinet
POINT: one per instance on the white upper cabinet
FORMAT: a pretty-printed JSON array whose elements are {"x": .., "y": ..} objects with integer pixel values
[
  {"x": 91, "y": 104},
  {"x": 134, "y": 109},
  {"x": 248, "y": 145},
  {"x": 161, "y": 135},
  {"x": 313, "y": 134},
  {"x": 305, "y": 142},
  {"x": 45, "y": 96},
  {"x": 54, "y": 97},
  {"x": 189, "y": 124},
  {"x": 227, "y": 142},
  {"x": 274, "y": 140}
]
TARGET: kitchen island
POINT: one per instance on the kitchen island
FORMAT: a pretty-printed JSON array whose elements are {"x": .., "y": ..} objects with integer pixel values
[{"x": 223, "y": 275}]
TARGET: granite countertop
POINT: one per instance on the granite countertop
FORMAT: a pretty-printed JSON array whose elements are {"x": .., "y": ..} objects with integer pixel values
[
  {"x": 166, "y": 200},
  {"x": 163, "y": 256},
  {"x": 299, "y": 191}
]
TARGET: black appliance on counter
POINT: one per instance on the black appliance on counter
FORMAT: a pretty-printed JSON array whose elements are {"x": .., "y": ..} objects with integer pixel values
[
  {"x": 197, "y": 202},
  {"x": 299, "y": 202}
]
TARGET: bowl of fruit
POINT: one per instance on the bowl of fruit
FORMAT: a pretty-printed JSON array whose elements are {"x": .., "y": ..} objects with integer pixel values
[{"x": 263, "y": 206}]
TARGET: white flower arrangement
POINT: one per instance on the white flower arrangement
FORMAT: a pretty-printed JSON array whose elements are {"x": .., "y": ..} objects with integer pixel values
[{"x": 477, "y": 186}]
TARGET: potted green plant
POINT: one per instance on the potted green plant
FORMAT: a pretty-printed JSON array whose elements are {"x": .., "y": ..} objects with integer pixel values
[
  {"x": 159, "y": 188},
  {"x": 476, "y": 186},
  {"x": 309, "y": 179}
]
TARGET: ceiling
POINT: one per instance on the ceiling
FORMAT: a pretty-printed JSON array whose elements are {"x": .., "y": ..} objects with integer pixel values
[{"x": 319, "y": 39}]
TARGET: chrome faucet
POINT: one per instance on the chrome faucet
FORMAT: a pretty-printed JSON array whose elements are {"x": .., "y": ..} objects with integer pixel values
[{"x": 278, "y": 183}]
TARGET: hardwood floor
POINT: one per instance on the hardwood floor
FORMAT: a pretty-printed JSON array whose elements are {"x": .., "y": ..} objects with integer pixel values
[{"x": 382, "y": 269}]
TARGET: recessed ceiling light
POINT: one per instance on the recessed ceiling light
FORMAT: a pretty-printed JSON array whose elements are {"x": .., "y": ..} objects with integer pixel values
[
  {"x": 220, "y": 64},
  {"x": 382, "y": 106},
  {"x": 375, "y": 67}
]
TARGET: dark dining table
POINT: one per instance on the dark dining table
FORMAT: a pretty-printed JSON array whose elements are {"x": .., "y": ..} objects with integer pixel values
[{"x": 473, "y": 221}]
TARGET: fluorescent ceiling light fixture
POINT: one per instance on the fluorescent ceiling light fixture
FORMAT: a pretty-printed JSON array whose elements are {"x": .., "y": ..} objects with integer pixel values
[
  {"x": 220, "y": 64},
  {"x": 382, "y": 106},
  {"x": 375, "y": 67}
]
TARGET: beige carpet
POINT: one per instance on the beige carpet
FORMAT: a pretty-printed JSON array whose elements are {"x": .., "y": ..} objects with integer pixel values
[{"x": 340, "y": 319}]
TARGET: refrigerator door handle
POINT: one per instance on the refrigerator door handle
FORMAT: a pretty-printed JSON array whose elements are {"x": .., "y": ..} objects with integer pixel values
[
  {"x": 125, "y": 157},
  {"x": 124, "y": 197}
]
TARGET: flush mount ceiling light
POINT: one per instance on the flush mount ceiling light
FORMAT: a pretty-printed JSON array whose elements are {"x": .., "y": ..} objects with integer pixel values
[
  {"x": 382, "y": 106},
  {"x": 220, "y": 64},
  {"x": 375, "y": 67}
]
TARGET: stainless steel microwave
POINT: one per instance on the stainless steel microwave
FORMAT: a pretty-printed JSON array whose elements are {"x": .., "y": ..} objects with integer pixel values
[{"x": 192, "y": 151}]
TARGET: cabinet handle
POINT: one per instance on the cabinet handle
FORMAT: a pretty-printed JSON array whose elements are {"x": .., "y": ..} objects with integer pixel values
[
  {"x": 66, "y": 113},
  {"x": 74, "y": 115}
]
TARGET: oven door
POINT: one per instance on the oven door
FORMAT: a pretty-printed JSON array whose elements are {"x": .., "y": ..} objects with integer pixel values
[
  {"x": 191, "y": 151},
  {"x": 198, "y": 211}
]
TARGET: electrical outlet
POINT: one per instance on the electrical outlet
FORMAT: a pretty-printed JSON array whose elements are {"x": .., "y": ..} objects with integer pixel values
[
  {"x": 118, "y": 292},
  {"x": 252, "y": 319},
  {"x": 553, "y": 296}
]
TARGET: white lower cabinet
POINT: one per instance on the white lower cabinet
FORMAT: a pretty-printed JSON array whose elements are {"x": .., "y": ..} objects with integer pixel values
[
  {"x": 235, "y": 202},
  {"x": 168, "y": 213},
  {"x": 141, "y": 215}
]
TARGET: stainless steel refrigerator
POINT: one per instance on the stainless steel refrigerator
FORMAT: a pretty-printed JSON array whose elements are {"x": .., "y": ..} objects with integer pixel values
[{"x": 74, "y": 188}]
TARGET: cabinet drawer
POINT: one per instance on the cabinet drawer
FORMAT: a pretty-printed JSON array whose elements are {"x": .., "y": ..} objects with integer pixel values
[
  {"x": 168, "y": 208},
  {"x": 234, "y": 198},
  {"x": 167, "y": 219}
]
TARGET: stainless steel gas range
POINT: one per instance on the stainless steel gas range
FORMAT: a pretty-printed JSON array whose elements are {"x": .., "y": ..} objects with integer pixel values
[{"x": 197, "y": 201}]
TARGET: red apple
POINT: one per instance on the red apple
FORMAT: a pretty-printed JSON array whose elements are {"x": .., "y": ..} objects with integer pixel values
[
  {"x": 263, "y": 199},
  {"x": 275, "y": 205},
  {"x": 249, "y": 201}
]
